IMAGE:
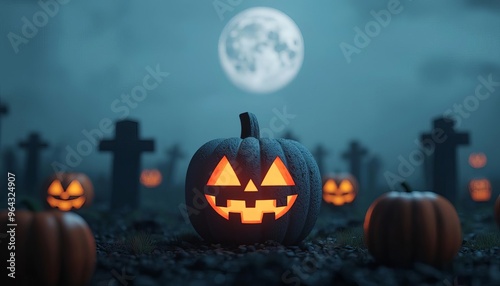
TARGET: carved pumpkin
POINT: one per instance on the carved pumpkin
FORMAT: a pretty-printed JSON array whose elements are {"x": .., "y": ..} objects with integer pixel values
[
  {"x": 340, "y": 189},
  {"x": 401, "y": 228},
  {"x": 477, "y": 160},
  {"x": 151, "y": 178},
  {"x": 252, "y": 189},
  {"x": 52, "y": 248},
  {"x": 480, "y": 190},
  {"x": 66, "y": 191},
  {"x": 497, "y": 211}
]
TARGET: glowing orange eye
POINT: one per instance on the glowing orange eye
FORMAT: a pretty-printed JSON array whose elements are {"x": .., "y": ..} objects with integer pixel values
[
  {"x": 55, "y": 188},
  {"x": 346, "y": 186},
  {"x": 223, "y": 175},
  {"x": 330, "y": 186},
  {"x": 74, "y": 189},
  {"x": 278, "y": 175}
]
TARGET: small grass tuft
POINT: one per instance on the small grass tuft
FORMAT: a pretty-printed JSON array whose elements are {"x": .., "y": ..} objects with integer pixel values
[
  {"x": 350, "y": 237},
  {"x": 140, "y": 243},
  {"x": 486, "y": 240}
]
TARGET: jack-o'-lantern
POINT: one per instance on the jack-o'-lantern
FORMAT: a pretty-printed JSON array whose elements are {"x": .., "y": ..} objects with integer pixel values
[
  {"x": 401, "y": 228},
  {"x": 52, "y": 248},
  {"x": 477, "y": 160},
  {"x": 480, "y": 190},
  {"x": 339, "y": 189},
  {"x": 151, "y": 178},
  {"x": 66, "y": 191},
  {"x": 252, "y": 189}
]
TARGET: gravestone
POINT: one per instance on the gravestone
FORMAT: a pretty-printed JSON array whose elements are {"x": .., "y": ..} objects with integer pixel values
[
  {"x": 3, "y": 111},
  {"x": 373, "y": 165},
  {"x": 174, "y": 154},
  {"x": 355, "y": 156},
  {"x": 444, "y": 167},
  {"x": 290, "y": 136},
  {"x": 32, "y": 146},
  {"x": 319, "y": 154},
  {"x": 127, "y": 149}
]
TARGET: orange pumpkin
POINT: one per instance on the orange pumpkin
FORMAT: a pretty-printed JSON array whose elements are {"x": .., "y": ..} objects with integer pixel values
[
  {"x": 339, "y": 189},
  {"x": 477, "y": 160},
  {"x": 480, "y": 190},
  {"x": 66, "y": 191},
  {"x": 151, "y": 178},
  {"x": 51, "y": 248},
  {"x": 401, "y": 228},
  {"x": 252, "y": 189}
]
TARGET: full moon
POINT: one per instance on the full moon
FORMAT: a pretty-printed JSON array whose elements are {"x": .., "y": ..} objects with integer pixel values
[{"x": 261, "y": 50}]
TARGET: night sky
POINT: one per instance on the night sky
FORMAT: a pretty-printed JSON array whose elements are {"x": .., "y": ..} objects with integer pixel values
[{"x": 428, "y": 58}]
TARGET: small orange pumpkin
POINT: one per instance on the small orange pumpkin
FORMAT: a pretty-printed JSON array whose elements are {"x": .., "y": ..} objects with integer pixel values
[
  {"x": 66, "y": 191},
  {"x": 151, "y": 178},
  {"x": 52, "y": 248},
  {"x": 401, "y": 228},
  {"x": 480, "y": 190}
]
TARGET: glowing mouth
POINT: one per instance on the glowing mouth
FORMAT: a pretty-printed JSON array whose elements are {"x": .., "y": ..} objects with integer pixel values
[
  {"x": 255, "y": 214},
  {"x": 66, "y": 205}
]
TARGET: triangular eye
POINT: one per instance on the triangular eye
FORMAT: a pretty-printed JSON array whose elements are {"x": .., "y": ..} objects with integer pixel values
[
  {"x": 330, "y": 186},
  {"x": 74, "y": 189},
  {"x": 278, "y": 175},
  {"x": 55, "y": 188},
  {"x": 346, "y": 186},
  {"x": 223, "y": 175}
]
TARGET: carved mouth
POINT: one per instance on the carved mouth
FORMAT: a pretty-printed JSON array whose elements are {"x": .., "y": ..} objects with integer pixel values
[
  {"x": 66, "y": 205},
  {"x": 252, "y": 214}
]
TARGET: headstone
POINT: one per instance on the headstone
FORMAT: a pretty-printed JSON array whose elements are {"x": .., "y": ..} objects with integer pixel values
[
  {"x": 174, "y": 154},
  {"x": 127, "y": 149},
  {"x": 3, "y": 111},
  {"x": 374, "y": 165},
  {"x": 33, "y": 146},
  {"x": 428, "y": 166},
  {"x": 444, "y": 169},
  {"x": 289, "y": 135},
  {"x": 355, "y": 156},
  {"x": 319, "y": 154}
]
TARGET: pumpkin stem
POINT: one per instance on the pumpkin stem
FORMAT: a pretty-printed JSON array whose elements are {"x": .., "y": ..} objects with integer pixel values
[
  {"x": 249, "y": 125},
  {"x": 406, "y": 187}
]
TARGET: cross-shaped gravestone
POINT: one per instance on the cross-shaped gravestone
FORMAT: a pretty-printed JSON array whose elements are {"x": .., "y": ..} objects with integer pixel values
[
  {"x": 374, "y": 164},
  {"x": 127, "y": 149},
  {"x": 3, "y": 111},
  {"x": 174, "y": 154},
  {"x": 319, "y": 154},
  {"x": 355, "y": 155},
  {"x": 289, "y": 135},
  {"x": 444, "y": 171},
  {"x": 428, "y": 166},
  {"x": 33, "y": 146}
]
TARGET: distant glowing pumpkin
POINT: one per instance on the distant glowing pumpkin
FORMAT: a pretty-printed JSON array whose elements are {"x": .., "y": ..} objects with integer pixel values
[
  {"x": 339, "y": 189},
  {"x": 477, "y": 160},
  {"x": 151, "y": 178},
  {"x": 66, "y": 191},
  {"x": 480, "y": 190}
]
